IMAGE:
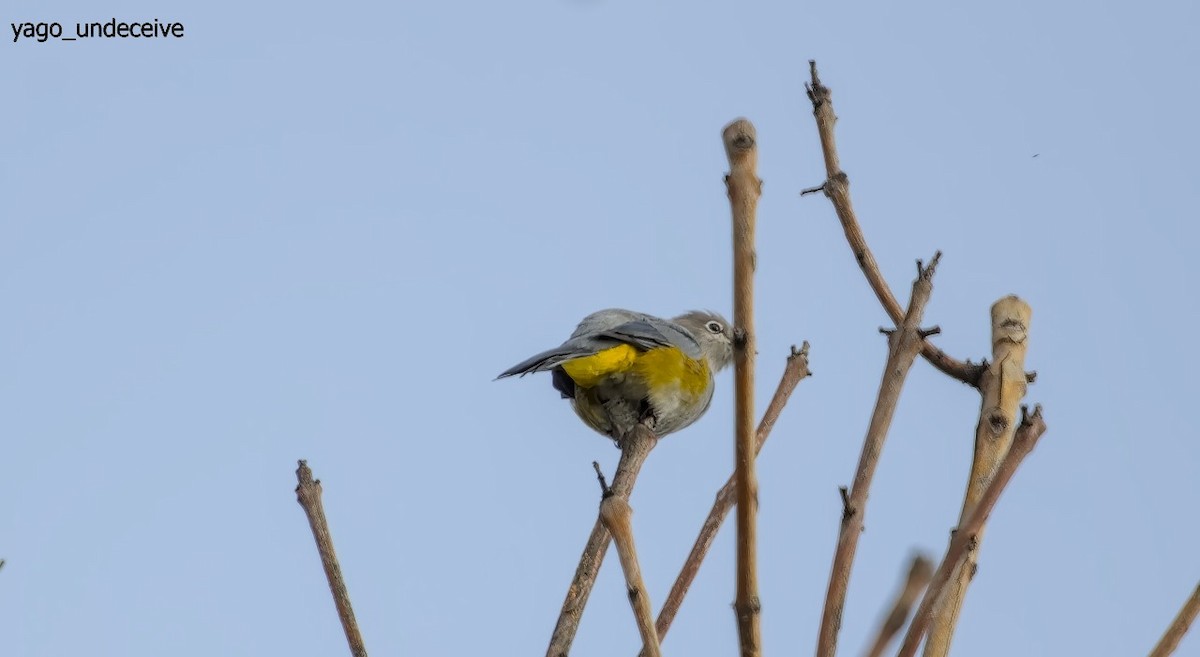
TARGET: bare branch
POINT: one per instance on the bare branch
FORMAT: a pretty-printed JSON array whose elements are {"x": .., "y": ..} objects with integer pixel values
[
  {"x": 308, "y": 494},
  {"x": 965, "y": 538},
  {"x": 837, "y": 188},
  {"x": 635, "y": 447},
  {"x": 795, "y": 371},
  {"x": 903, "y": 347},
  {"x": 617, "y": 517},
  {"x": 744, "y": 188},
  {"x": 1179, "y": 627},
  {"x": 1002, "y": 386},
  {"x": 918, "y": 577}
]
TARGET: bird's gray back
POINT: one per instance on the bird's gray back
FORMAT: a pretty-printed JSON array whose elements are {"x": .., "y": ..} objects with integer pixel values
[{"x": 639, "y": 329}]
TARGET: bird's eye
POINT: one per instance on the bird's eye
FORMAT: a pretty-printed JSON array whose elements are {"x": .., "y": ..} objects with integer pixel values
[{"x": 714, "y": 327}]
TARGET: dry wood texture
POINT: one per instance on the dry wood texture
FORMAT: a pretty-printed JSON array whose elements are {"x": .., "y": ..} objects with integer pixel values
[
  {"x": 1002, "y": 387},
  {"x": 617, "y": 516},
  {"x": 837, "y": 188},
  {"x": 744, "y": 188},
  {"x": 308, "y": 494},
  {"x": 793, "y": 373},
  {"x": 1179, "y": 627},
  {"x": 635, "y": 447},
  {"x": 918, "y": 577},
  {"x": 903, "y": 346},
  {"x": 965, "y": 538}
]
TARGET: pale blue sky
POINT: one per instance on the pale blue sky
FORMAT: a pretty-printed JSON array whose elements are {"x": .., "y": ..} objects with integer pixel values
[{"x": 320, "y": 230}]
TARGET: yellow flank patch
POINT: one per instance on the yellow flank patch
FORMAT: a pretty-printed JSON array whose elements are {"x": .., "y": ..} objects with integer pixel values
[
  {"x": 668, "y": 367},
  {"x": 588, "y": 371}
]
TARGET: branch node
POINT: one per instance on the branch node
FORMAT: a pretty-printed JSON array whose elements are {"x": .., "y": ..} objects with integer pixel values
[
  {"x": 933, "y": 330},
  {"x": 997, "y": 422},
  {"x": 848, "y": 510},
  {"x": 740, "y": 338}
]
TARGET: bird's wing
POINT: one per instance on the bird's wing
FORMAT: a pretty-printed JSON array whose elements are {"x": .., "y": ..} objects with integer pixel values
[
  {"x": 552, "y": 358},
  {"x": 651, "y": 332},
  {"x": 644, "y": 332},
  {"x": 583, "y": 342},
  {"x": 605, "y": 320}
]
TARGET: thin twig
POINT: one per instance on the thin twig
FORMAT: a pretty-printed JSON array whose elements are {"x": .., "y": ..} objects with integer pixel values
[
  {"x": 1001, "y": 387},
  {"x": 744, "y": 188},
  {"x": 795, "y": 371},
  {"x": 308, "y": 494},
  {"x": 903, "y": 346},
  {"x": 918, "y": 578},
  {"x": 635, "y": 447},
  {"x": 837, "y": 188},
  {"x": 605, "y": 489},
  {"x": 1179, "y": 627},
  {"x": 1031, "y": 429},
  {"x": 617, "y": 516}
]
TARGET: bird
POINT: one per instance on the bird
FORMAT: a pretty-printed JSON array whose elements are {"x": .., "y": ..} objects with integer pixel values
[{"x": 622, "y": 367}]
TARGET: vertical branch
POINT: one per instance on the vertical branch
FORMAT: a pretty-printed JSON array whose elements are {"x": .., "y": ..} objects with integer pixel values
[
  {"x": 1002, "y": 387},
  {"x": 903, "y": 346},
  {"x": 918, "y": 577},
  {"x": 965, "y": 537},
  {"x": 635, "y": 447},
  {"x": 793, "y": 373},
  {"x": 1179, "y": 627},
  {"x": 744, "y": 188},
  {"x": 617, "y": 516},
  {"x": 837, "y": 188},
  {"x": 308, "y": 494}
]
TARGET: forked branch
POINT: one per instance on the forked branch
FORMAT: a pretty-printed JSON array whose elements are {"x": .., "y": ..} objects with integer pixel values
[
  {"x": 1001, "y": 386},
  {"x": 903, "y": 345},
  {"x": 837, "y": 188},
  {"x": 617, "y": 516},
  {"x": 635, "y": 447},
  {"x": 965, "y": 537}
]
